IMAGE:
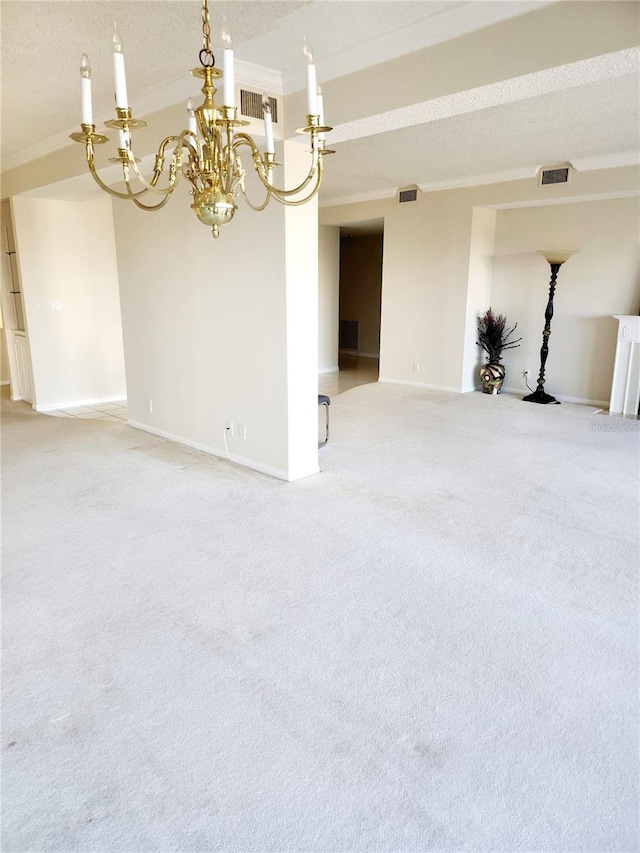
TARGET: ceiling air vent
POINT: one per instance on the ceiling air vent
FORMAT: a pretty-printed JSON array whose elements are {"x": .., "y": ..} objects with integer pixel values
[
  {"x": 407, "y": 195},
  {"x": 251, "y": 105},
  {"x": 555, "y": 174}
]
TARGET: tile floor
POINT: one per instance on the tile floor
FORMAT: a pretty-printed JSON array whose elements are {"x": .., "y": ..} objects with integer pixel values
[
  {"x": 114, "y": 412},
  {"x": 354, "y": 370}
]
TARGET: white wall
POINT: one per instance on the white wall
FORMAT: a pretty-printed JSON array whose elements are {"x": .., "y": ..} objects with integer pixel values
[
  {"x": 328, "y": 297},
  {"x": 66, "y": 257},
  {"x": 209, "y": 325},
  {"x": 601, "y": 280},
  {"x": 483, "y": 228},
  {"x": 424, "y": 292}
]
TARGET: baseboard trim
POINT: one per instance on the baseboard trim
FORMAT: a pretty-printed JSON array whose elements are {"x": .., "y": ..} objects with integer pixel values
[
  {"x": 214, "y": 451},
  {"x": 427, "y": 386},
  {"x": 5, "y": 382},
  {"x": 71, "y": 404},
  {"x": 582, "y": 401},
  {"x": 328, "y": 370}
]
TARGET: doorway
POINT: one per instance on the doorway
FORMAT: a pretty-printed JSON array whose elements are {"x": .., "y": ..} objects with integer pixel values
[{"x": 360, "y": 300}]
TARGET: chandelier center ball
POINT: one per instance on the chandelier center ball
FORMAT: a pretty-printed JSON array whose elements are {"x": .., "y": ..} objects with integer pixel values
[{"x": 213, "y": 207}]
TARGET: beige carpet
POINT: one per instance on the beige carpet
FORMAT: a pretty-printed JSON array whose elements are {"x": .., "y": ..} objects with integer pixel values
[{"x": 431, "y": 646}]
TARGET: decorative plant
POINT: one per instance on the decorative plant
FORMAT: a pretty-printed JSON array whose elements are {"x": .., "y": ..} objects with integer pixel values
[{"x": 494, "y": 336}]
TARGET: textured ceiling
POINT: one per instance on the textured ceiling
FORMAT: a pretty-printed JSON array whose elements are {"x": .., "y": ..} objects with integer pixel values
[
  {"x": 161, "y": 41},
  {"x": 588, "y": 121},
  {"x": 42, "y": 43},
  {"x": 584, "y": 109}
]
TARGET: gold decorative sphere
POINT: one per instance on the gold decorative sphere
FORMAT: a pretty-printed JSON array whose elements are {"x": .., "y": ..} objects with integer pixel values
[{"x": 213, "y": 207}]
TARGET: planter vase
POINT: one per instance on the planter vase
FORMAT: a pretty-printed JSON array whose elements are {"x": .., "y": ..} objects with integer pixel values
[{"x": 492, "y": 377}]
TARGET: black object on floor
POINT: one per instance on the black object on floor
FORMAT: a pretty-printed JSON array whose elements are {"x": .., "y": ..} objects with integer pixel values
[{"x": 325, "y": 401}]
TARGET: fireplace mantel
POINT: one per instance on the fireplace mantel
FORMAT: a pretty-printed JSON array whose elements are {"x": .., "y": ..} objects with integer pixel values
[{"x": 625, "y": 388}]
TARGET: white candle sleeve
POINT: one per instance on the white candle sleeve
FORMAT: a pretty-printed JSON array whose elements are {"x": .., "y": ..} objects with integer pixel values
[
  {"x": 268, "y": 132},
  {"x": 123, "y": 139},
  {"x": 192, "y": 123},
  {"x": 312, "y": 107},
  {"x": 121, "y": 81},
  {"x": 228, "y": 82},
  {"x": 87, "y": 110}
]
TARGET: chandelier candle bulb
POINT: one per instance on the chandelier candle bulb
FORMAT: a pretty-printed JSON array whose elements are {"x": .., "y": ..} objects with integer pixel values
[
  {"x": 312, "y": 84},
  {"x": 193, "y": 127},
  {"x": 122, "y": 101},
  {"x": 85, "y": 80},
  {"x": 268, "y": 124},
  {"x": 228, "y": 81}
]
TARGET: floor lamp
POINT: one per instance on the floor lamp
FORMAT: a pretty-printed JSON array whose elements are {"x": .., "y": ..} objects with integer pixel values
[{"x": 555, "y": 259}]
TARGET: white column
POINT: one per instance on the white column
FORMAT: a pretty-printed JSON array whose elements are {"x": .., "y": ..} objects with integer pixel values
[
  {"x": 625, "y": 387},
  {"x": 301, "y": 263}
]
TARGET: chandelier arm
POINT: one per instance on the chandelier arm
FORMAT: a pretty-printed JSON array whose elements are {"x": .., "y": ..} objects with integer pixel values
[
  {"x": 239, "y": 182},
  {"x": 133, "y": 197},
  {"x": 256, "y": 207},
  {"x": 220, "y": 164},
  {"x": 230, "y": 172},
  {"x": 94, "y": 174},
  {"x": 286, "y": 201},
  {"x": 226, "y": 162},
  {"x": 157, "y": 206},
  {"x": 295, "y": 202},
  {"x": 245, "y": 139},
  {"x": 174, "y": 168}
]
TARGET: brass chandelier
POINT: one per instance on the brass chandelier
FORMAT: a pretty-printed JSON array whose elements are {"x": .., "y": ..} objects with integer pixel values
[{"x": 207, "y": 153}]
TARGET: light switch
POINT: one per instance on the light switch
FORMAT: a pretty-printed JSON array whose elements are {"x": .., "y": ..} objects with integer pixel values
[{"x": 56, "y": 306}]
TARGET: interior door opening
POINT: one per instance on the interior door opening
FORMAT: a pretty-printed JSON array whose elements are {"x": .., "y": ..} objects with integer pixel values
[{"x": 360, "y": 301}]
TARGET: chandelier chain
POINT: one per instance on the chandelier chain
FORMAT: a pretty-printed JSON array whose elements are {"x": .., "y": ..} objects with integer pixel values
[{"x": 206, "y": 54}]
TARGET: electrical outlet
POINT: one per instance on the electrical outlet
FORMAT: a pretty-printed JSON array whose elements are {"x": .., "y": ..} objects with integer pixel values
[
  {"x": 150, "y": 405},
  {"x": 229, "y": 427},
  {"x": 416, "y": 367},
  {"x": 242, "y": 429},
  {"x": 56, "y": 305},
  {"x": 525, "y": 373}
]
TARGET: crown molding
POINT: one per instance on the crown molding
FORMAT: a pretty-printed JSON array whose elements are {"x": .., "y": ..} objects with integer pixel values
[
  {"x": 575, "y": 199},
  {"x": 452, "y": 23},
  {"x": 175, "y": 91},
  {"x": 607, "y": 161}
]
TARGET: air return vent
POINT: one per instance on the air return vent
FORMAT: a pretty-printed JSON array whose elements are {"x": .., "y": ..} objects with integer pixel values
[
  {"x": 251, "y": 105},
  {"x": 407, "y": 195},
  {"x": 555, "y": 174}
]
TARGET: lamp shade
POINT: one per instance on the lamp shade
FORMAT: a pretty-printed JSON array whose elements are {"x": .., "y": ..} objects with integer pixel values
[{"x": 557, "y": 256}]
